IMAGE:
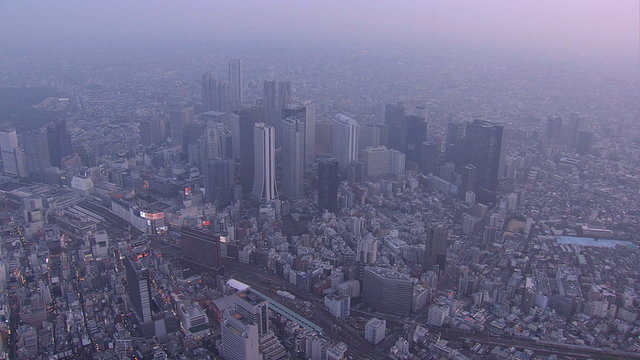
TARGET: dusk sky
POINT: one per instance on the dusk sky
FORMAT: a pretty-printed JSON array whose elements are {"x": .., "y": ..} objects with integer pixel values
[{"x": 573, "y": 29}]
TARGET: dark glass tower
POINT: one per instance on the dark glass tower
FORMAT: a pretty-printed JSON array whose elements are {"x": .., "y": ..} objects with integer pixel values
[
  {"x": 59, "y": 141},
  {"x": 484, "y": 142},
  {"x": 328, "y": 184},
  {"x": 436, "y": 246},
  {"x": 247, "y": 118},
  {"x": 218, "y": 181}
]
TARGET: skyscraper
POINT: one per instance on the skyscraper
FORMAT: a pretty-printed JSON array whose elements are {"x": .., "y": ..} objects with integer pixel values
[
  {"x": 307, "y": 114},
  {"x": 345, "y": 140},
  {"x": 436, "y": 246},
  {"x": 59, "y": 141},
  {"x": 13, "y": 157},
  {"x": 245, "y": 330},
  {"x": 554, "y": 130},
  {"x": 328, "y": 180},
  {"x": 576, "y": 122},
  {"x": 235, "y": 80},
  {"x": 179, "y": 121},
  {"x": 254, "y": 308},
  {"x": 270, "y": 103},
  {"x": 216, "y": 94},
  {"x": 405, "y": 132},
  {"x": 468, "y": 179},
  {"x": 207, "y": 96},
  {"x": 139, "y": 288},
  {"x": 416, "y": 134},
  {"x": 36, "y": 151},
  {"x": 152, "y": 131},
  {"x": 484, "y": 143},
  {"x": 284, "y": 95},
  {"x": 395, "y": 126},
  {"x": 429, "y": 152},
  {"x": 218, "y": 181},
  {"x": 584, "y": 142},
  {"x": 247, "y": 119},
  {"x": 293, "y": 132},
  {"x": 240, "y": 339},
  {"x": 264, "y": 182}
]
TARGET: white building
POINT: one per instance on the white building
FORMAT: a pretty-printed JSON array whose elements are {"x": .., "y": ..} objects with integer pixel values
[
  {"x": 240, "y": 339},
  {"x": 101, "y": 245},
  {"x": 367, "y": 250},
  {"x": 338, "y": 305},
  {"x": 264, "y": 182},
  {"x": 345, "y": 140},
  {"x": 13, "y": 157},
  {"x": 380, "y": 161},
  {"x": 374, "y": 330},
  {"x": 193, "y": 320},
  {"x": 437, "y": 314}
]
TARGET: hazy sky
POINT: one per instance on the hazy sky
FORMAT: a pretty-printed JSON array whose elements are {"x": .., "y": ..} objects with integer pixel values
[{"x": 598, "y": 29}]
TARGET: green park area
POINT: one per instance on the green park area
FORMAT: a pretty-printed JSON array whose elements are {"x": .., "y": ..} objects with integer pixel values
[{"x": 17, "y": 107}]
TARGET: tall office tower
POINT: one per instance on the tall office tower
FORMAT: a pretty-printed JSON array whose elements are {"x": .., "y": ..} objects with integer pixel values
[
  {"x": 59, "y": 141},
  {"x": 468, "y": 180},
  {"x": 306, "y": 113},
  {"x": 405, "y": 132},
  {"x": 223, "y": 97},
  {"x": 345, "y": 140},
  {"x": 179, "y": 121},
  {"x": 215, "y": 94},
  {"x": 235, "y": 80},
  {"x": 455, "y": 132},
  {"x": 152, "y": 131},
  {"x": 387, "y": 290},
  {"x": 484, "y": 143},
  {"x": 201, "y": 248},
  {"x": 429, "y": 152},
  {"x": 380, "y": 161},
  {"x": 396, "y": 131},
  {"x": 207, "y": 92},
  {"x": 284, "y": 95},
  {"x": 255, "y": 308},
  {"x": 369, "y": 136},
  {"x": 328, "y": 181},
  {"x": 218, "y": 181},
  {"x": 191, "y": 133},
  {"x": 240, "y": 339},
  {"x": 554, "y": 130},
  {"x": 36, "y": 152},
  {"x": 13, "y": 158},
  {"x": 576, "y": 122},
  {"x": 584, "y": 142},
  {"x": 270, "y": 103},
  {"x": 247, "y": 118},
  {"x": 139, "y": 288},
  {"x": 293, "y": 132},
  {"x": 264, "y": 182},
  {"x": 416, "y": 134},
  {"x": 215, "y": 142},
  {"x": 367, "y": 251},
  {"x": 456, "y": 146},
  {"x": 436, "y": 246}
]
